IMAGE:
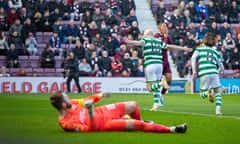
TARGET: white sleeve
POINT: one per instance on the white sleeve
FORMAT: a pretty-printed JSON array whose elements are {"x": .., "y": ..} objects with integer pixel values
[{"x": 194, "y": 61}]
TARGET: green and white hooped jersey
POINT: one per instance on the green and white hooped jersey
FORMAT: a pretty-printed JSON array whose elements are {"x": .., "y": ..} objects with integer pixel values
[
  {"x": 152, "y": 50},
  {"x": 208, "y": 60}
]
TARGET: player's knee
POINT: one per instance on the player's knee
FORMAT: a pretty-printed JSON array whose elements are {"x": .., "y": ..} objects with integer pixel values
[{"x": 131, "y": 106}]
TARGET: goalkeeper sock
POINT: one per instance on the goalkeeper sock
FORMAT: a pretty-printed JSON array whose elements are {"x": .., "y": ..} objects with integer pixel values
[{"x": 147, "y": 127}]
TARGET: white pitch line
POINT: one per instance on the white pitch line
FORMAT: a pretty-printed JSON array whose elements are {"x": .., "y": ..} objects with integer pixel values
[{"x": 197, "y": 114}]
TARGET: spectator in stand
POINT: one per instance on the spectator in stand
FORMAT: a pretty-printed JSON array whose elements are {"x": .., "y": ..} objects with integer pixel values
[
  {"x": 72, "y": 32},
  {"x": 104, "y": 29},
  {"x": 223, "y": 8},
  {"x": 31, "y": 44},
  {"x": 134, "y": 30},
  {"x": 191, "y": 28},
  {"x": 41, "y": 6},
  {"x": 110, "y": 18},
  {"x": 47, "y": 58},
  {"x": 94, "y": 63},
  {"x": 16, "y": 4},
  {"x": 123, "y": 50},
  {"x": 12, "y": 57},
  {"x": 109, "y": 47},
  {"x": 84, "y": 68},
  {"x": 105, "y": 63},
  {"x": 113, "y": 4},
  {"x": 186, "y": 19},
  {"x": 3, "y": 20},
  {"x": 84, "y": 30},
  {"x": 37, "y": 20},
  {"x": 123, "y": 28},
  {"x": 3, "y": 44},
  {"x": 93, "y": 29},
  {"x": 75, "y": 11},
  {"x": 87, "y": 17},
  {"x": 182, "y": 33},
  {"x": 85, "y": 5},
  {"x": 226, "y": 58},
  {"x": 202, "y": 11},
  {"x": 98, "y": 16},
  {"x": 213, "y": 28},
  {"x": 3, "y": 72},
  {"x": 21, "y": 72},
  {"x": 24, "y": 14},
  {"x": 4, "y": 5},
  {"x": 140, "y": 70},
  {"x": 65, "y": 9},
  {"x": 237, "y": 41},
  {"x": 131, "y": 17},
  {"x": 60, "y": 28},
  {"x": 12, "y": 16},
  {"x": 219, "y": 42},
  {"x": 159, "y": 14},
  {"x": 117, "y": 66},
  {"x": 17, "y": 26},
  {"x": 192, "y": 10},
  {"x": 134, "y": 59},
  {"x": 79, "y": 51},
  {"x": 190, "y": 42},
  {"x": 98, "y": 41},
  {"x": 201, "y": 31},
  {"x": 30, "y": 6},
  {"x": 235, "y": 59},
  {"x": 55, "y": 44},
  {"x": 91, "y": 48},
  {"x": 126, "y": 6},
  {"x": 52, "y": 4},
  {"x": 28, "y": 27},
  {"x": 233, "y": 13},
  {"x": 94, "y": 60},
  {"x": 16, "y": 40},
  {"x": 127, "y": 64},
  {"x": 175, "y": 19},
  {"x": 224, "y": 29},
  {"x": 212, "y": 11},
  {"x": 119, "y": 16},
  {"x": 229, "y": 43},
  {"x": 181, "y": 8},
  {"x": 56, "y": 14},
  {"x": 47, "y": 22}
]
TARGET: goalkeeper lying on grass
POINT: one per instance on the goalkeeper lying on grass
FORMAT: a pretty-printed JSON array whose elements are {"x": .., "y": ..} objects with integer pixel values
[{"x": 79, "y": 115}]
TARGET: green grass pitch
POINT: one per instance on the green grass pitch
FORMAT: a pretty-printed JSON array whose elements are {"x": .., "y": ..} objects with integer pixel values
[{"x": 30, "y": 119}]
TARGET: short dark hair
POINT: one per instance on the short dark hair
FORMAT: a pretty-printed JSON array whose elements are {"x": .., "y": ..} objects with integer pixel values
[
  {"x": 56, "y": 99},
  {"x": 209, "y": 39}
]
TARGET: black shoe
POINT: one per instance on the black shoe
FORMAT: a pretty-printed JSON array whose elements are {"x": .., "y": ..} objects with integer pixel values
[
  {"x": 148, "y": 121},
  {"x": 181, "y": 128}
]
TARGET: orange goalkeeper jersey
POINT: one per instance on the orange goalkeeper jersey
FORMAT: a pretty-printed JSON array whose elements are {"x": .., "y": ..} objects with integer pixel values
[{"x": 77, "y": 118}]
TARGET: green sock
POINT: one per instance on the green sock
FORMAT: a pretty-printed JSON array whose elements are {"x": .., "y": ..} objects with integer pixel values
[
  {"x": 155, "y": 86},
  {"x": 204, "y": 94},
  {"x": 218, "y": 99}
]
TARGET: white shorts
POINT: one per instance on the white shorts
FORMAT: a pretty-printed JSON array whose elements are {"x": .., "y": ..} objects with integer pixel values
[
  {"x": 210, "y": 81},
  {"x": 153, "y": 72}
]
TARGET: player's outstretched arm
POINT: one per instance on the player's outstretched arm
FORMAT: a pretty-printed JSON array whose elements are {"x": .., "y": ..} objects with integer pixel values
[
  {"x": 133, "y": 42},
  {"x": 176, "y": 47},
  {"x": 95, "y": 98}
]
